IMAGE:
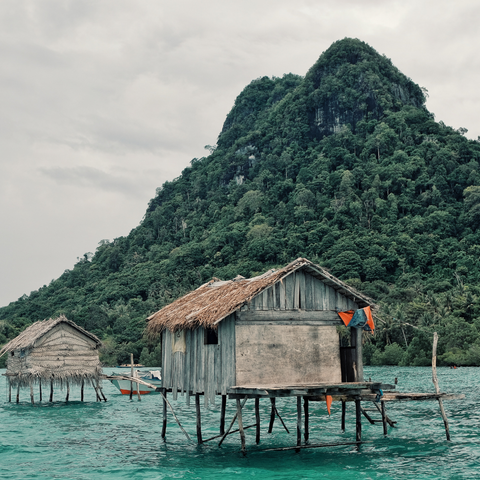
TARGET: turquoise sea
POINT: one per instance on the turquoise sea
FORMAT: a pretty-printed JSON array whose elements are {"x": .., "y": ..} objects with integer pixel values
[{"x": 121, "y": 438}]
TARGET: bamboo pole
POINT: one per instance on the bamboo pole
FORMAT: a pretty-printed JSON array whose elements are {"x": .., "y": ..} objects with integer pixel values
[
  {"x": 9, "y": 391},
  {"x": 306, "y": 434},
  {"x": 435, "y": 382},
  {"x": 344, "y": 409},
  {"x": 164, "y": 419},
  {"x": 222, "y": 414},
  {"x": 31, "y": 395},
  {"x": 81, "y": 389},
  {"x": 257, "y": 421},
  {"x": 40, "y": 388},
  {"x": 231, "y": 424},
  {"x": 51, "y": 390},
  {"x": 199, "y": 419},
  {"x": 240, "y": 425},
  {"x": 18, "y": 393},
  {"x": 68, "y": 391}
]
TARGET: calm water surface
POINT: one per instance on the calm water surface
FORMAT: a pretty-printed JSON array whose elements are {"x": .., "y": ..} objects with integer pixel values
[{"x": 121, "y": 438}]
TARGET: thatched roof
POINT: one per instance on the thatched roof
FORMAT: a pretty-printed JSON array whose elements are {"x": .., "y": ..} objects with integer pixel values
[
  {"x": 37, "y": 330},
  {"x": 209, "y": 304}
]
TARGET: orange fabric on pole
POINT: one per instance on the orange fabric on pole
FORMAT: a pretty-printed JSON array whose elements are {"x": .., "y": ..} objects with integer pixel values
[
  {"x": 368, "y": 312},
  {"x": 346, "y": 316},
  {"x": 328, "y": 399}
]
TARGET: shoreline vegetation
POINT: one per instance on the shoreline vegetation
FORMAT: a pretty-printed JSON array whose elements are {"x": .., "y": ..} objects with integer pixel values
[{"x": 344, "y": 166}]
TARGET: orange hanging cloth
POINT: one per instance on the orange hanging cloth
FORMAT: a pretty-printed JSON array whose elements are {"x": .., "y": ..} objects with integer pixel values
[
  {"x": 362, "y": 318},
  {"x": 328, "y": 399}
]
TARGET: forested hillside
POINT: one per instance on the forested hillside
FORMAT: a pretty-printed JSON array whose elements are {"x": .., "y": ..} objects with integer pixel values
[{"x": 345, "y": 167}]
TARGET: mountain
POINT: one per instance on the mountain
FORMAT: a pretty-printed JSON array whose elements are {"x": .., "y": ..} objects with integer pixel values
[{"x": 344, "y": 166}]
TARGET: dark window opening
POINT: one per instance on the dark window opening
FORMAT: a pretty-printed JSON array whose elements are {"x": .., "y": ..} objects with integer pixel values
[{"x": 211, "y": 336}]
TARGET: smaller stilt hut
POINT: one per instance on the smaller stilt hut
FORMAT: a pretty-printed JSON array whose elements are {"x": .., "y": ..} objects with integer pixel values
[{"x": 54, "y": 352}]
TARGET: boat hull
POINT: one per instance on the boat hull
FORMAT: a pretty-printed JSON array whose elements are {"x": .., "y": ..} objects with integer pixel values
[{"x": 124, "y": 387}]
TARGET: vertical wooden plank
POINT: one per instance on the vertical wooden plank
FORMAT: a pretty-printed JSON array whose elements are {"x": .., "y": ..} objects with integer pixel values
[
  {"x": 296, "y": 295},
  {"x": 282, "y": 294},
  {"x": 271, "y": 298},
  {"x": 277, "y": 296},
  {"x": 302, "y": 289},
  {"x": 233, "y": 352},
  {"x": 308, "y": 292},
  {"x": 175, "y": 375},
  {"x": 206, "y": 376},
  {"x": 186, "y": 371},
  {"x": 319, "y": 289},
  {"x": 221, "y": 343},
  {"x": 351, "y": 305},
  {"x": 265, "y": 299},
  {"x": 289, "y": 291}
]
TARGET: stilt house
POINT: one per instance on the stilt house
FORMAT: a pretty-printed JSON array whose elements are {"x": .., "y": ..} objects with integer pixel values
[
  {"x": 279, "y": 328},
  {"x": 54, "y": 351}
]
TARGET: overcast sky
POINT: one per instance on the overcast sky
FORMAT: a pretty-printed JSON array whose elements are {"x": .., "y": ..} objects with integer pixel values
[{"x": 101, "y": 101}]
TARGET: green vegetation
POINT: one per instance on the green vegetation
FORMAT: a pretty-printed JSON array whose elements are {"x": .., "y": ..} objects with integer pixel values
[{"x": 344, "y": 166}]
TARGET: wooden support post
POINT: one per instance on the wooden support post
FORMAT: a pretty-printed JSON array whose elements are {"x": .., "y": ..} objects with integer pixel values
[
  {"x": 96, "y": 391},
  {"x": 81, "y": 390},
  {"x": 435, "y": 382},
  {"x": 222, "y": 414},
  {"x": 240, "y": 426},
  {"x": 68, "y": 392},
  {"x": 257, "y": 421},
  {"x": 138, "y": 392},
  {"x": 18, "y": 393},
  {"x": 384, "y": 418},
  {"x": 272, "y": 415},
  {"x": 9, "y": 391},
  {"x": 51, "y": 390},
  {"x": 344, "y": 409},
  {"x": 40, "y": 388},
  {"x": 356, "y": 341},
  {"x": 231, "y": 424},
  {"x": 131, "y": 374},
  {"x": 164, "y": 422},
  {"x": 358, "y": 418},
  {"x": 199, "y": 419},
  {"x": 306, "y": 434},
  {"x": 176, "y": 419},
  {"x": 299, "y": 421},
  {"x": 31, "y": 394},
  {"x": 101, "y": 391}
]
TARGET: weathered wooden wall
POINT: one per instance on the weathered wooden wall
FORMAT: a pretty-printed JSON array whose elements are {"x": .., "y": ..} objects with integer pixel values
[
  {"x": 63, "y": 351},
  {"x": 207, "y": 369}
]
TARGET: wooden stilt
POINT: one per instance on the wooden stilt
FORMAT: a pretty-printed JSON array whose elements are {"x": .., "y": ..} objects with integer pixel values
[
  {"x": 299, "y": 421},
  {"x": 40, "y": 388},
  {"x": 81, "y": 390},
  {"x": 257, "y": 421},
  {"x": 229, "y": 433},
  {"x": 306, "y": 434},
  {"x": 231, "y": 424},
  {"x": 131, "y": 374},
  {"x": 164, "y": 422},
  {"x": 68, "y": 391},
  {"x": 222, "y": 414},
  {"x": 384, "y": 418},
  {"x": 240, "y": 426},
  {"x": 344, "y": 409},
  {"x": 199, "y": 419},
  {"x": 435, "y": 382},
  {"x": 96, "y": 391},
  {"x": 31, "y": 394},
  {"x": 138, "y": 392},
  {"x": 272, "y": 415},
  {"x": 103, "y": 397},
  {"x": 51, "y": 390},
  {"x": 358, "y": 416},
  {"x": 18, "y": 393},
  {"x": 9, "y": 391}
]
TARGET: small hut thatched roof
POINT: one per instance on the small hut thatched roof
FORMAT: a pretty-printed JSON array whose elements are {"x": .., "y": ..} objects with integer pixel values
[
  {"x": 209, "y": 304},
  {"x": 37, "y": 330}
]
